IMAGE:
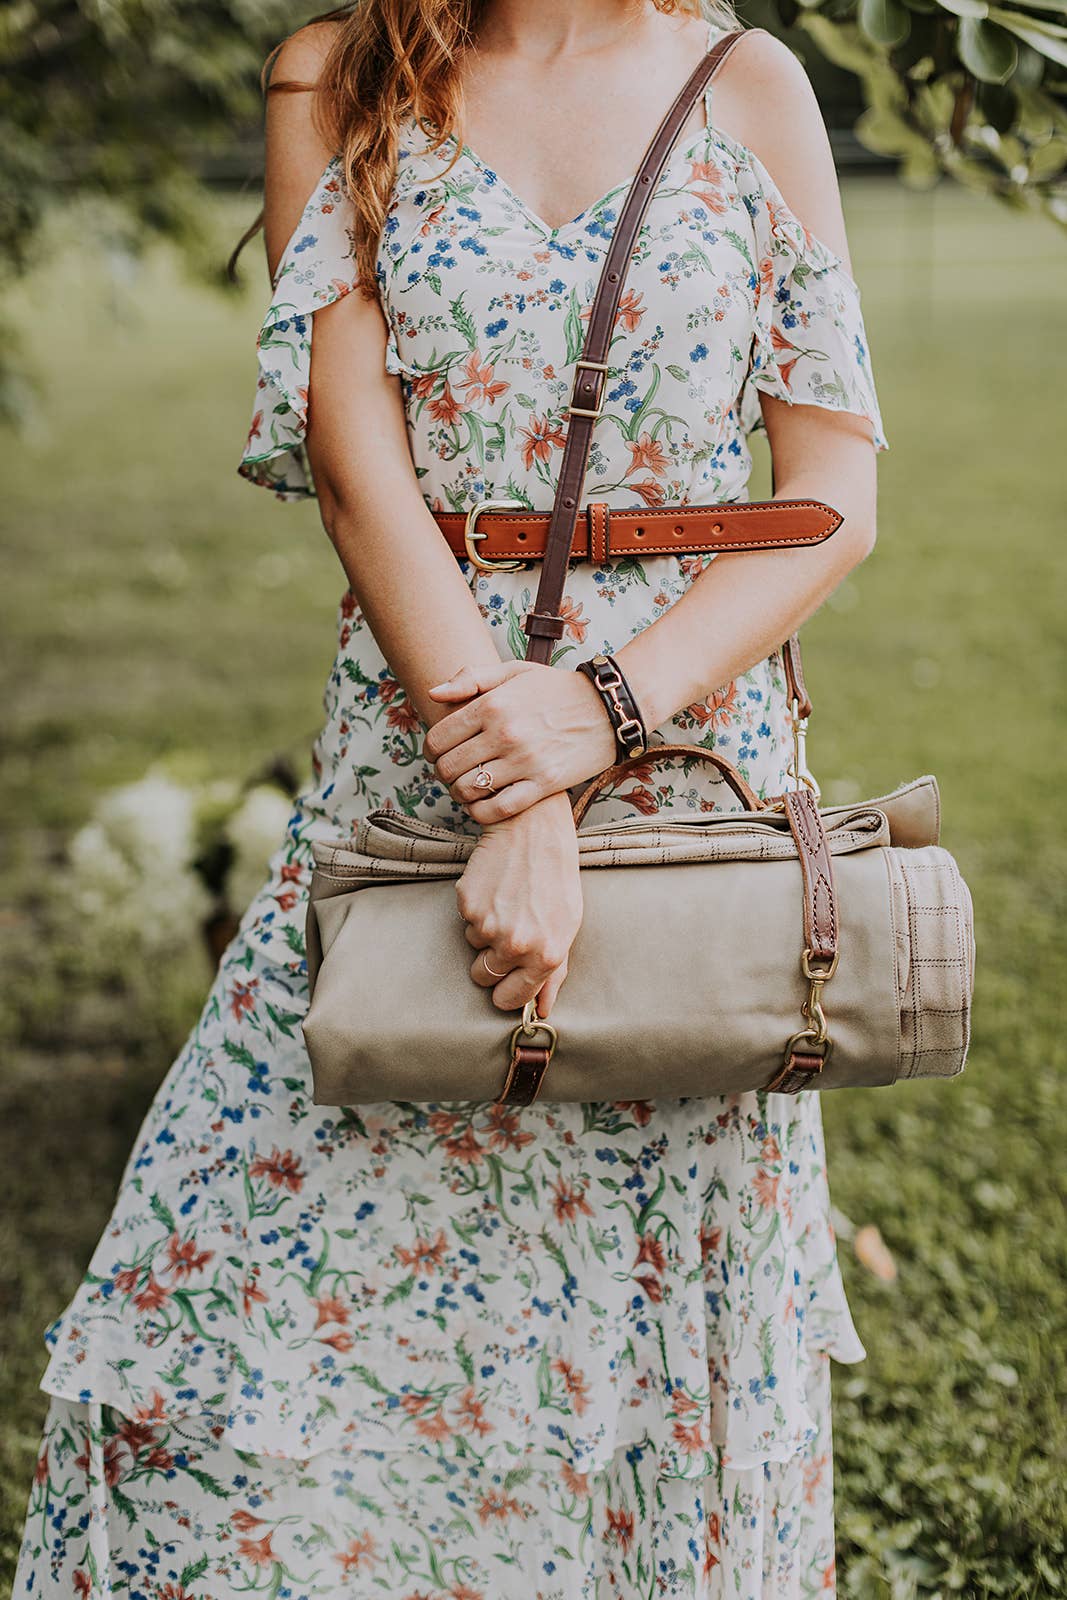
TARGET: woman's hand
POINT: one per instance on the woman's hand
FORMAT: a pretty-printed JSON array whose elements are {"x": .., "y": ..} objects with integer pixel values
[
  {"x": 538, "y": 730},
  {"x": 522, "y": 901}
]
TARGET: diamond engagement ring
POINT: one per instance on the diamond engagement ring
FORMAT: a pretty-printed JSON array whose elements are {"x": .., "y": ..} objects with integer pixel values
[{"x": 483, "y": 779}]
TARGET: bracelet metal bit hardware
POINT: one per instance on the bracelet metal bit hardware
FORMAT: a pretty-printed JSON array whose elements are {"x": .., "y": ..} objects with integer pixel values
[{"x": 610, "y": 686}]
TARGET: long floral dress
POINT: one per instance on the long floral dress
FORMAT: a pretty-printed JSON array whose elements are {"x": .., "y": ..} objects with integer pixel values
[{"x": 462, "y": 1351}]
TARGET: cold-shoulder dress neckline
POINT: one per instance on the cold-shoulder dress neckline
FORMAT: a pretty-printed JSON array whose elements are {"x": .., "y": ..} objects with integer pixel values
[
  {"x": 682, "y": 153},
  {"x": 720, "y": 254}
]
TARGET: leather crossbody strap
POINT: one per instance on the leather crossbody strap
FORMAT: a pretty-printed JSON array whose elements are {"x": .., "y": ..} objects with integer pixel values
[{"x": 544, "y": 624}]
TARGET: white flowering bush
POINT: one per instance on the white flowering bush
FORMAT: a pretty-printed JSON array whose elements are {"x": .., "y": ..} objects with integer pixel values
[
  {"x": 254, "y": 831},
  {"x": 165, "y": 860}
]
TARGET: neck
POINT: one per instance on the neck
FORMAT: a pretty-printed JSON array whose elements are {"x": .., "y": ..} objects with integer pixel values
[{"x": 556, "y": 28}]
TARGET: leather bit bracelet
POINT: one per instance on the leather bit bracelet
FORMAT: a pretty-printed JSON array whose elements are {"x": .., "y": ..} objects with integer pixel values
[{"x": 607, "y": 677}]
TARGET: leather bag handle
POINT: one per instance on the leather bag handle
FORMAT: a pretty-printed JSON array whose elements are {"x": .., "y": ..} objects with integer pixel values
[{"x": 688, "y": 752}]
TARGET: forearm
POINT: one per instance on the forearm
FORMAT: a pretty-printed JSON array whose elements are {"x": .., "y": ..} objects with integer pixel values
[
  {"x": 744, "y": 605},
  {"x": 405, "y": 579},
  {"x": 416, "y": 600}
]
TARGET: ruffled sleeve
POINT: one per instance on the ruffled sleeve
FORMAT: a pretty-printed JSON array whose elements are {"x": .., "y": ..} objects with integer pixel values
[
  {"x": 810, "y": 343},
  {"x": 317, "y": 268}
]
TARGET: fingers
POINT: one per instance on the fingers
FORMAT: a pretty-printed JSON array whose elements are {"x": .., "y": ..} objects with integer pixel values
[
  {"x": 513, "y": 978},
  {"x": 474, "y": 680},
  {"x": 549, "y": 991},
  {"x": 469, "y": 684},
  {"x": 509, "y": 802},
  {"x": 465, "y": 682},
  {"x": 454, "y": 729},
  {"x": 461, "y": 759},
  {"x": 480, "y": 969},
  {"x": 511, "y": 990}
]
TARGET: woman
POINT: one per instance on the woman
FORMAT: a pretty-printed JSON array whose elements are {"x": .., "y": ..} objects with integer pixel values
[{"x": 461, "y": 1350}]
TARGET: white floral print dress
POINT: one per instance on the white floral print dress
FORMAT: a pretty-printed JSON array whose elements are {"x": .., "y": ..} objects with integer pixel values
[{"x": 466, "y": 1352}]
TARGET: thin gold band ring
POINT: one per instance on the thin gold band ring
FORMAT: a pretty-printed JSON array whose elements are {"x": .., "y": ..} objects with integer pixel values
[{"x": 489, "y": 969}]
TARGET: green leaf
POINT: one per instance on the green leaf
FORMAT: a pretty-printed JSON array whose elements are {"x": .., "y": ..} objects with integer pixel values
[
  {"x": 192, "y": 1571},
  {"x": 207, "y": 1482},
  {"x": 989, "y": 52},
  {"x": 966, "y": 8},
  {"x": 240, "y": 1053},
  {"x": 574, "y": 328},
  {"x": 842, "y": 45},
  {"x": 1048, "y": 160},
  {"x": 885, "y": 21},
  {"x": 1041, "y": 36},
  {"x": 160, "y": 1209},
  {"x": 124, "y": 1504},
  {"x": 399, "y": 1291},
  {"x": 517, "y": 639},
  {"x": 464, "y": 322},
  {"x": 283, "y": 1020},
  {"x": 466, "y": 1361}
]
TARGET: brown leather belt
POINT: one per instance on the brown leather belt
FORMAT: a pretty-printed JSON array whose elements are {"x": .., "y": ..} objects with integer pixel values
[{"x": 603, "y": 533}]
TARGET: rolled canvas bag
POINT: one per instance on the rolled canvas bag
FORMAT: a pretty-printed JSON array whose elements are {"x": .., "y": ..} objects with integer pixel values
[
  {"x": 689, "y": 974},
  {"x": 784, "y": 946}
]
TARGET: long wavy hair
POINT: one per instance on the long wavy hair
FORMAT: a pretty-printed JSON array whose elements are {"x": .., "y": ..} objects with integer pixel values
[{"x": 391, "y": 59}]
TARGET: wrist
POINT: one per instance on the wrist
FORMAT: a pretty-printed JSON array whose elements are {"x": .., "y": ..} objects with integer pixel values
[
  {"x": 645, "y": 676},
  {"x": 622, "y": 712},
  {"x": 552, "y": 810}
]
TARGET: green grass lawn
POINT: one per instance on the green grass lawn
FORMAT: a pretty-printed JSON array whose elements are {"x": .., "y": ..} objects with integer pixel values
[{"x": 154, "y": 603}]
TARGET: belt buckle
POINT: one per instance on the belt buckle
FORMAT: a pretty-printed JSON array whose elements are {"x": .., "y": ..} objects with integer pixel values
[{"x": 471, "y": 535}]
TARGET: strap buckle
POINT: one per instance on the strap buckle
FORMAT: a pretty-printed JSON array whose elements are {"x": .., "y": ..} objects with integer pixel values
[
  {"x": 583, "y": 411},
  {"x": 471, "y": 535}
]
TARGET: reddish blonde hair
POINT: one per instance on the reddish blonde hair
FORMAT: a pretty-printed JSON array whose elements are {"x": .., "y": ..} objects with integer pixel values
[{"x": 391, "y": 59}]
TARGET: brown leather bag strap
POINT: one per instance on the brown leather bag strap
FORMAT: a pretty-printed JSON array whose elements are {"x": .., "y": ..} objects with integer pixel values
[
  {"x": 816, "y": 864},
  {"x": 544, "y": 624},
  {"x": 660, "y": 752}
]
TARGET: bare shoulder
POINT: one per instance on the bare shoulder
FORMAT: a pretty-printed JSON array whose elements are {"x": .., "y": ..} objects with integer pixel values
[
  {"x": 297, "y": 152},
  {"x": 764, "y": 99},
  {"x": 299, "y": 58}
]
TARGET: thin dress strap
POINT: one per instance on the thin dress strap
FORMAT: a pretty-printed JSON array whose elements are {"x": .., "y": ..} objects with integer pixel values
[{"x": 715, "y": 30}]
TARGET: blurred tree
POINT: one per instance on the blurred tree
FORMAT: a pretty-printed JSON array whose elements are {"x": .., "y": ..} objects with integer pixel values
[
  {"x": 122, "y": 101},
  {"x": 962, "y": 87}
]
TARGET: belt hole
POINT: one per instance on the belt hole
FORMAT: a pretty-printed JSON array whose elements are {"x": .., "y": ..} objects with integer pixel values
[
  {"x": 640, "y": 532},
  {"x": 678, "y": 530},
  {"x": 716, "y": 529},
  {"x": 520, "y": 534}
]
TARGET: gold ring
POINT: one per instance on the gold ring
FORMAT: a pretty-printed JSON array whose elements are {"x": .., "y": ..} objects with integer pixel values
[
  {"x": 489, "y": 969},
  {"x": 483, "y": 778}
]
